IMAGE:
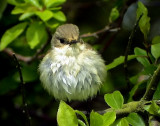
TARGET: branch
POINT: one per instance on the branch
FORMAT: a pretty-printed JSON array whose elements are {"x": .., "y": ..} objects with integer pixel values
[
  {"x": 26, "y": 59},
  {"x": 19, "y": 57},
  {"x": 128, "y": 49},
  {"x": 25, "y": 108},
  {"x": 134, "y": 106},
  {"x": 152, "y": 85},
  {"x": 95, "y": 34}
]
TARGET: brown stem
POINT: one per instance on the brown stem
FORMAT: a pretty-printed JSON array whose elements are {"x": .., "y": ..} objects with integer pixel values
[{"x": 95, "y": 34}]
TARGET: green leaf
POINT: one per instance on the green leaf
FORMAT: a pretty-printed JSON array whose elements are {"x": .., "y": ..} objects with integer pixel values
[
  {"x": 109, "y": 118},
  {"x": 55, "y": 8},
  {"x": 135, "y": 120},
  {"x": 96, "y": 119},
  {"x": 141, "y": 10},
  {"x": 24, "y": 8},
  {"x": 18, "y": 10},
  {"x": 59, "y": 15},
  {"x": 45, "y": 15},
  {"x": 81, "y": 123},
  {"x": 155, "y": 50},
  {"x": 135, "y": 88},
  {"x": 123, "y": 122},
  {"x": 114, "y": 100},
  {"x": 13, "y": 2},
  {"x": 34, "y": 3},
  {"x": 153, "y": 109},
  {"x": 66, "y": 115},
  {"x": 36, "y": 33},
  {"x": 114, "y": 14},
  {"x": 143, "y": 60},
  {"x": 156, "y": 95},
  {"x": 149, "y": 70},
  {"x": 144, "y": 22},
  {"x": 3, "y": 5},
  {"x": 83, "y": 116},
  {"x": 156, "y": 40},
  {"x": 52, "y": 23},
  {"x": 144, "y": 25},
  {"x": 119, "y": 61},
  {"x": 11, "y": 34},
  {"x": 53, "y": 3},
  {"x": 26, "y": 15}
]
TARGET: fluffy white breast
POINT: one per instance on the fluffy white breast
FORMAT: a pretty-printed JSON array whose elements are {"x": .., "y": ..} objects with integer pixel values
[{"x": 73, "y": 73}]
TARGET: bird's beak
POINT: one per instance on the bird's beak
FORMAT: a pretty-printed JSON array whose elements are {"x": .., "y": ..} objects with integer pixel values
[{"x": 73, "y": 42}]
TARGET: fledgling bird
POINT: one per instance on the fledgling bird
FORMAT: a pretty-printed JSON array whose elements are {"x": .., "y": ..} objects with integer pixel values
[{"x": 72, "y": 69}]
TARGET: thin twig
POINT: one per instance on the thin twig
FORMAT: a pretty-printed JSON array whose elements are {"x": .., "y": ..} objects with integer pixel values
[
  {"x": 10, "y": 53},
  {"x": 152, "y": 85},
  {"x": 95, "y": 34},
  {"x": 26, "y": 59},
  {"x": 127, "y": 51},
  {"x": 25, "y": 108}
]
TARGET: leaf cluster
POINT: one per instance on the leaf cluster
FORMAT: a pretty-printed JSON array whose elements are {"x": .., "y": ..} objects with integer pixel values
[{"x": 36, "y": 18}]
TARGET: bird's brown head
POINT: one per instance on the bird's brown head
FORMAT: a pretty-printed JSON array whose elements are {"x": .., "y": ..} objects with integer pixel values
[{"x": 66, "y": 34}]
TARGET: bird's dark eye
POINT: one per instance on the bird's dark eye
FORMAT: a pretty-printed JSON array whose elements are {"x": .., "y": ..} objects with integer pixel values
[{"x": 62, "y": 41}]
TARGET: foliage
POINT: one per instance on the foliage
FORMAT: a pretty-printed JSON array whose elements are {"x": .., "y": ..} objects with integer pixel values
[
  {"x": 39, "y": 15},
  {"x": 36, "y": 20}
]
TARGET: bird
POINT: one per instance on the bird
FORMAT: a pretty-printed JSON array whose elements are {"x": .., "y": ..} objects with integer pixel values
[{"x": 72, "y": 69}]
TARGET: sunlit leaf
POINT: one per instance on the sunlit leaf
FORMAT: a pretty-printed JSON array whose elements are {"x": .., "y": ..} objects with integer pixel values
[
  {"x": 24, "y": 8},
  {"x": 143, "y": 60},
  {"x": 35, "y": 3},
  {"x": 135, "y": 120},
  {"x": 109, "y": 118},
  {"x": 119, "y": 61},
  {"x": 81, "y": 123},
  {"x": 66, "y": 115},
  {"x": 13, "y": 2},
  {"x": 123, "y": 122},
  {"x": 59, "y": 15},
  {"x": 53, "y": 3},
  {"x": 144, "y": 22},
  {"x": 155, "y": 47},
  {"x": 45, "y": 15},
  {"x": 96, "y": 119},
  {"x": 83, "y": 116},
  {"x": 26, "y": 15},
  {"x": 114, "y": 100},
  {"x": 36, "y": 32},
  {"x": 17, "y": 10},
  {"x": 55, "y": 8},
  {"x": 114, "y": 14},
  {"x": 11, "y": 34},
  {"x": 153, "y": 109}
]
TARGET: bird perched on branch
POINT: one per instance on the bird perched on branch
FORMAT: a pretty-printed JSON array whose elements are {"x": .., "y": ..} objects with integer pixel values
[{"x": 72, "y": 69}]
